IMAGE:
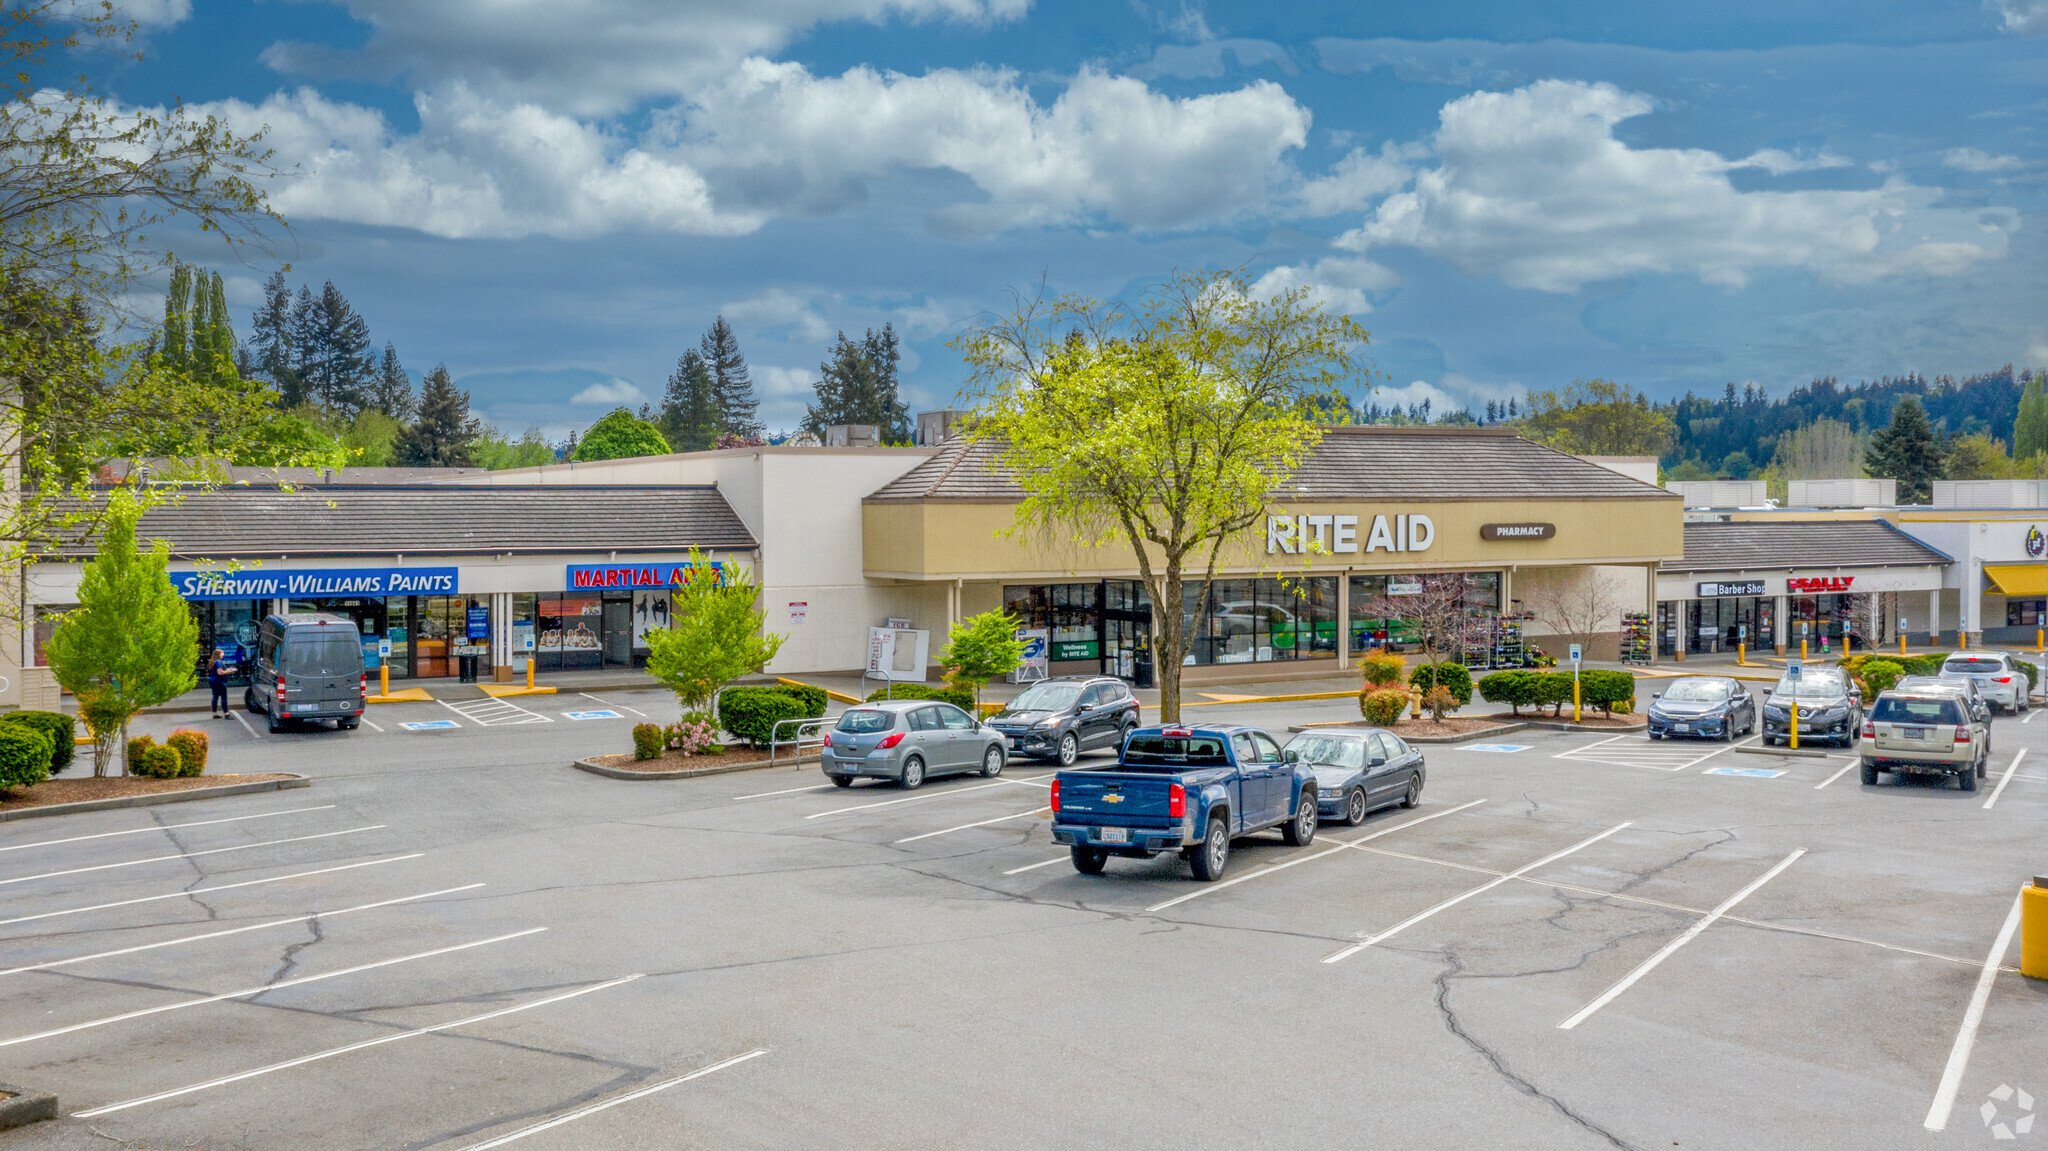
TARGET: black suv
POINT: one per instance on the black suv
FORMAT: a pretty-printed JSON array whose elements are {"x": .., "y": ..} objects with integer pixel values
[{"x": 1059, "y": 718}]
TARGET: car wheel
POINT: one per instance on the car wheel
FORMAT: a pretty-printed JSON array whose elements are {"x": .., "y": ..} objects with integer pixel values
[
  {"x": 249, "y": 699},
  {"x": 275, "y": 724},
  {"x": 1070, "y": 749},
  {"x": 1981, "y": 761},
  {"x": 1354, "y": 807},
  {"x": 1090, "y": 860},
  {"x": 1413, "y": 796},
  {"x": 1301, "y": 830},
  {"x": 1213, "y": 855},
  {"x": 1870, "y": 775},
  {"x": 1968, "y": 782},
  {"x": 913, "y": 774},
  {"x": 992, "y": 762},
  {"x": 841, "y": 780}
]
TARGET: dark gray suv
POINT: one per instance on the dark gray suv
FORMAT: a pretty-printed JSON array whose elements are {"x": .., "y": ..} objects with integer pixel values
[
  {"x": 1059, "y": 718},
  {"x": 309, "y": 666}
]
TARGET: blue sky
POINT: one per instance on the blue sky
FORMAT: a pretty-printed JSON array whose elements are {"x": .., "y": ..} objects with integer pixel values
[{"x": 555, "y": 197}]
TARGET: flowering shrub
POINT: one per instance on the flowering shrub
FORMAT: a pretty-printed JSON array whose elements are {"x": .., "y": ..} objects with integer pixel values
[{"x": 695, "y": 734}]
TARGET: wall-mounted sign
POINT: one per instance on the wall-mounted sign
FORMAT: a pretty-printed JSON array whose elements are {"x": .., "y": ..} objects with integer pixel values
[
  {"x": 2036, "y": 542},
  {"x": 1338, "y": 535},
  {"x": 266, "y": 583},
  {"x": 1034, "y": 664},
  {"x": 583, "y": 576},
  {"x": 799, "y": 610},
  {"x": 1076, "y": 649},
  {"x": 1818, "y": 584},
  {"x": 1517, "y": 531},
  {"x": 1742, "y": 587},
  {"x": 477, "y": 623}
]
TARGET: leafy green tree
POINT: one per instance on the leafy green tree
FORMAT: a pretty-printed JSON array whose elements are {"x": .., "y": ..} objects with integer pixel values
[
  {"x": 371, "y": 439},
  {"x": 981, "y": 648},
  {"x": 1909, "y": 451},
  {"x": 1822, "y": 450},
  {"x": 497, "y": 453},
  {"x": 619, "y": 435},
  {"x": 1979, "y": 457},
  {"x": 732, "y": 390},
  {"x": 690, "y": 419},
  {"x": 445, "y": 434},
  {"x": 857, "y": 385},
  {"x": 1163, "y": 426},
  {"x": 2030, "y": 424},
  {"x": 716, "y": 634},
  {"x": 131, "y": 643},
  {"x": 1597, "y": 418}
]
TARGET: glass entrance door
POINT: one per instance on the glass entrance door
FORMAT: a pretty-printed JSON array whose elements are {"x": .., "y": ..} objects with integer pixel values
[{"x": 1126, "y": 627}]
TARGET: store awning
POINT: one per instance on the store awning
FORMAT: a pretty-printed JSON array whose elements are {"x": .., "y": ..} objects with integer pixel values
[{"x": 2018, "y": 579}]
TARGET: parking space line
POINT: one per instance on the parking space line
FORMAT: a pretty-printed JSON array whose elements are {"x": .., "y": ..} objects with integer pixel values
[
  {"x": 373, "y": 724},
  {"x": 2030, "y": 717},
  {"x": 1210, "y": 888},
  {"x": 1845, "y": 770},
  {"x": 608, "y": 703},
  {"x": 237, "y": 930},
  {"x": 187, "y": 854},
  {"x": 1966, "y": 1035},
  {"x": 1489, "y": 885},
  {"x": 909, "y": 799},
  {"x": 982, "y": 823},
  {"x": 2007, "y": 777},
  {"x": 331, "y": 1052},
  {"x": 789, "y": 791},
  {"x": 208, "y": 890},
  {"x": 1030, "y": 781},
  {"x": 263, "y": 988},
  {"x": 165, "y": 827},
  {"x": 246, "y": 726},
  {"x": 1036, "y": 866},
  {"x": 1722, "y": 751},
  {"x": 1668, "y": 950},
  {"x": 628, "y": 1097}
]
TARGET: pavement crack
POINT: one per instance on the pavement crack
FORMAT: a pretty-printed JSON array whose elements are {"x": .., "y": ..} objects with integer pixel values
[
  {"x": 1722, "y": 835},
  {"x": 289, "y": 961}
]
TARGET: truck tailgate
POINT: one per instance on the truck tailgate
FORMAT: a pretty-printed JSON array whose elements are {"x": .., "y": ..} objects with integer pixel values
[{"x": 1123, "y": 799}]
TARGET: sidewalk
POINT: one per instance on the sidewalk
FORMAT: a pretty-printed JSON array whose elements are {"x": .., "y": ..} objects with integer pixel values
[{"x": 564, "y": 683}]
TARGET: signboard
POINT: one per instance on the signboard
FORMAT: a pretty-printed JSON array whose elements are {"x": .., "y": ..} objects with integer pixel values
[
  {"x": 2036, "y": 542},
  {"x": 799, "y": 610},
  {"x": 1076, "y": 649},
  {"x": 1792, "y": 668},
  {"x": 383, "y": 649},
  {"x": 1819, "y": 584},
  {"x": 640, "y": 575},
  {"x": 1517, "y": 531},
  {"x": 1741, "y": 587},
  {"x": 897, "y": 654},
  {"x": 270, "y": 583},
  {"x": 1036, "y": 662},
  {"x": 1403, "y": 585},
  {"x": 1338, "y": 535},
  {"x": 470, "y": 649},
  {"x": 1575, "y": 655},
  {"x": 897, "y": 622},
  {"x": 522, "y": 637},
  {"x": 478, "y": 623}
]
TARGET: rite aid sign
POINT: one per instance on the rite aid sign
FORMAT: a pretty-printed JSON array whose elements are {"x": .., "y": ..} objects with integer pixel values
[{"x": 1338, "y": 535}]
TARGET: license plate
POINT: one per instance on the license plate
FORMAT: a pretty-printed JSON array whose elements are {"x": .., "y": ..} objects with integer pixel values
[
  {"x": 1015, "y": 743},
  {"x": 1681, "y": 727},
  {"x": 1916, "y": 733},
  {"x": 1113, "y": 834}
]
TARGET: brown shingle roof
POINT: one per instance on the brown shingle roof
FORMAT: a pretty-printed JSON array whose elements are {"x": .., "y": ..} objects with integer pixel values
[
  {"x": 1354, "y": 462},
  {"x": 437, "y": 520},
  {"x": 1762, "y": 546}
]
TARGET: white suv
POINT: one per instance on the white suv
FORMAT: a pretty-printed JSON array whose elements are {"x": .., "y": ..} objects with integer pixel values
[
  {"x": 1925, "y": 733},
  {"x": 1999, "y": 680}
]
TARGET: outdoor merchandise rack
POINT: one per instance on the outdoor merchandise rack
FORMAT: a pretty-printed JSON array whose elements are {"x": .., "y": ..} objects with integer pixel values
[{"x": 1638, "y": 633}]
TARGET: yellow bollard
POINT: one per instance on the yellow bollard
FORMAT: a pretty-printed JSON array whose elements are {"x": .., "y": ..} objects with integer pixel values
[
  {"x": 384, "y": 678},
  {"x": 1793, "y": 742},
  {"x": 2034, "y": 929},
  {"x": 2038, "y": 635},
  {"x": 1575, "y": 697},
  {"x": 1802, "y": 649},
  {"x": 1742, "y": 655},
  {"x": 1962, "y": 640},
  {"x": 1902, "y": 643},
  {"x": 529, "y": 672}
]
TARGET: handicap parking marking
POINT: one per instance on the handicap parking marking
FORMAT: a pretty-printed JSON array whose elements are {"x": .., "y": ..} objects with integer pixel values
[
  {"x": 1654, "y": 755},
  {"x": 592, "y": 715},
  {"x": 1497, "y": 748},
  {"x": 431, "y": 725},
  {"x": 1750, "y": 772},
  {"x": 493, "y": 712}
]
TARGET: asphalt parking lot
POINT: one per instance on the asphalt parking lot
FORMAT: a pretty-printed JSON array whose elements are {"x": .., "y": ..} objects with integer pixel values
[{"x": 454, "y": 940}]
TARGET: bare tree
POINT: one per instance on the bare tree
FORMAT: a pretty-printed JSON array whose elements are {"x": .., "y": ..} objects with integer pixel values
[
  {"x": 1433, "y": 608},
  {"x": 1577, "y": 609}
]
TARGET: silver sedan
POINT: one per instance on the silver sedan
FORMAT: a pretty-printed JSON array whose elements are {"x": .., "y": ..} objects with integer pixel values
[{"x": 909, "y": 741}]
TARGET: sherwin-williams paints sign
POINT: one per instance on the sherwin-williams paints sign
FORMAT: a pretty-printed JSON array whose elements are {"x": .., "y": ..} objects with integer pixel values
[
  {"x": 266, "y": 583},
  {"x": 585, "y": 576}
]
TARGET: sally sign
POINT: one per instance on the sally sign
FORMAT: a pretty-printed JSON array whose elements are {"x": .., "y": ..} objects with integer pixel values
[{"x": 1338, "y": 535}]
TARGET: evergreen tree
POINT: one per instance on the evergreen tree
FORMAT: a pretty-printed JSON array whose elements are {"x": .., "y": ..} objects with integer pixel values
[
  {"x": 177, "y": 319},
  {"x": 392, "y": 394},
  {"x": 1909, "y": 451},
  {"x": 273, "y": 341},
  {"x": 731, "y": 389},
  {"x": 445, "y": 434},
  {"x": 338, "y": 364},
  {"x": 858, "y": 386},
  {"x": 689, "y": 418},
  {"x": 2030, "y": 425},
  {"x": 198, "y": 337}
]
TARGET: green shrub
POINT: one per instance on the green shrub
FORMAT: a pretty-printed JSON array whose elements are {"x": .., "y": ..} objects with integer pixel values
[
  {"x": 1514, "y": 688},
  {"x": 192, "y": 747},
  {"x": 1381, "y": 668},
  {"x": 1929, "y": 664},
  {"x": 960, "y": 697},
  {"x": 1455, "y": 676},
  {"x": 752, "y": 712},
  {"x": 2031, "y": 671},
  {"x": 24, "y": 756},
  {"x": 814, "y": 698},
  {"x": 1553, "y": 688},
  {"x": 138, "y": 749},
  {"x": 1608, "y": 690},
  {"x": 61, "y": 730},
  {"x": 1383, "y": 708},
  {"x": 648, "y": 739},
  {"x": 1880, "y": 675},
  {"x": 157, "y": 761}
]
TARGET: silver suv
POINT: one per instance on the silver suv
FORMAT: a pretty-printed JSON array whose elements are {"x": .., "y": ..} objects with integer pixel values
[
  {"x": 1997, "y": 676},
  {"x": 1925, "y": 733}
]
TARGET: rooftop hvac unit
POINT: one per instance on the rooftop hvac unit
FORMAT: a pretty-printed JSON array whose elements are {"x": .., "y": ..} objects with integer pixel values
[
  {"x": 1856, "y": 493},
  {"x": 1720, "y": 493}
]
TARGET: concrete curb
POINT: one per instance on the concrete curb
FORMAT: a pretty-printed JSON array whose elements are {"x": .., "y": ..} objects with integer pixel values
[
  {"x": 1799, "y": 753},
  {"x": 25, "y": 1106},
  {"x": 1500, "y": 729},
  {"x": 1586, "y": 729},
  {"x": 190, "y": 793},
  {"x": 687, "y": 772}
]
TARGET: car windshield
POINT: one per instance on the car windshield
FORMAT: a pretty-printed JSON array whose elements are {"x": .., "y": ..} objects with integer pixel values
[
  {"x": 1962, "y": 666},
  {"x": 1174, "y": 752},
  {"x": 1911, "y": 711},
  {"x": 1697, "y": 691},
  {"x": 1047, "y": 697},
  {"x": 337, "y": 653},
  {"x": 1809, "y": 686},
  {"x": 866, "y": 721},
  {"x": 1329, "y": 750}
]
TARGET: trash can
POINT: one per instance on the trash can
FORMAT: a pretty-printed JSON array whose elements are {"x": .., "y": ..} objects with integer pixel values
[{"x": 467, "y": 664}]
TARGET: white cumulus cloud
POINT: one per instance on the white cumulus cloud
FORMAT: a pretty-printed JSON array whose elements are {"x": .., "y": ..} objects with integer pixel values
[
  {"x": 1533, "y": 187},
  {"x": 2025, "y": 17},
  {"x": 1978, "y": 160},
  {"x": 612, "y": 393},
  {"x": 1343, "y": 285}
]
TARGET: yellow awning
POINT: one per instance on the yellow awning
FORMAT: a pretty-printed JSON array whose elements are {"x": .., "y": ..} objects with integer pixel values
[{"x": 2018, "y": 579}]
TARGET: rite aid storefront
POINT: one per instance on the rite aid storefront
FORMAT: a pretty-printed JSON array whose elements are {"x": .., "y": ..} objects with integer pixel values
[{"x": 1838, "y": 584}]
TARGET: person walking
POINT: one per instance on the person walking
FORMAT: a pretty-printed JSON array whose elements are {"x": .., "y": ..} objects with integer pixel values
[{"x": 217, "y": 671}]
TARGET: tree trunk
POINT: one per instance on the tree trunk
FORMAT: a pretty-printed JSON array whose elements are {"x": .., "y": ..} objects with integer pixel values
[
  {"x": 103, "y": 749},
  {"x": 124, "y": 748},
  {"x": 1168, "y": 655}
]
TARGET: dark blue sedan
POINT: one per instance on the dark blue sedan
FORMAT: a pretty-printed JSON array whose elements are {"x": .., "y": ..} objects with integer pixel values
[
  {"x": 1358, "y": 770},
  {"x": 1704, "y": 707}
]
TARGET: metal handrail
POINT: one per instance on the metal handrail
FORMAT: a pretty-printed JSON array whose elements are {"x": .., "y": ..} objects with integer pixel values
[
  {"x": 882, "y": 677},
  {"x": 775, "y": 739}
]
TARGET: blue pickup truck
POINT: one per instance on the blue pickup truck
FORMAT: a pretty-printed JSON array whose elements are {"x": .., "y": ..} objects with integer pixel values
[{"x": 1185, "y": 789}]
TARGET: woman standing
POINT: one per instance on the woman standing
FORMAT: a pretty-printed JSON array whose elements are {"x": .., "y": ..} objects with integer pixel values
[{"x": 218, "y": 669}]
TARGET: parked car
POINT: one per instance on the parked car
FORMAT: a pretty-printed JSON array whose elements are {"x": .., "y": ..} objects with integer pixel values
[
  {"x": 1058, "y": 719},
  {"x": 1925, "y": 733},
  {"x": 1185, "y": 789},
  {"x": 1956, "y": 683},
  {"x": 308, "y": 668},
  {"x": 1830, "y": 707},
  {"x": 909, "y": 741},
  {"x": 1711, "y": 706},
  {"x": 1995, "y": 674},
  {"x": 1358, "y": 770}
]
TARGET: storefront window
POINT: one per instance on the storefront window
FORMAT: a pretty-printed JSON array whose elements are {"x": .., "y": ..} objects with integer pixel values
[
  {"x": 1481, "y": 598},
  {"x": 231, "y": 626},
  {"x": 571, "y": 627},
  {"x": 47, "y": 616},
  {"x": 1261, "y": 620},
  {"x": 525, "y": 626},
  {"x": 2025, "y": 612}
]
